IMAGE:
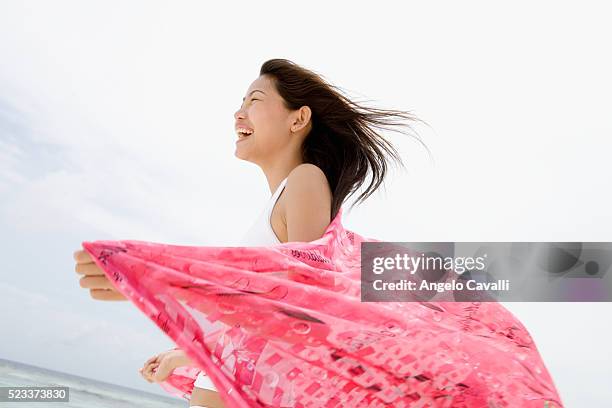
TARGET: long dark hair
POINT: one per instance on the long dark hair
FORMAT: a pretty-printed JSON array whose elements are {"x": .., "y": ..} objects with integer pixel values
[{"x": 342, "y": 141}]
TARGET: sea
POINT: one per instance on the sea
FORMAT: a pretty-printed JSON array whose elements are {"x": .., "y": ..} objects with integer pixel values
[{"x": 83, "y": 392}]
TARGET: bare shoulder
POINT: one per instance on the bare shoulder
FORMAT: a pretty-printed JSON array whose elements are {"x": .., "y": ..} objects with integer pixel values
[
  {"x": 308, "y": 179},
  {"x": 307, "y": 203}
]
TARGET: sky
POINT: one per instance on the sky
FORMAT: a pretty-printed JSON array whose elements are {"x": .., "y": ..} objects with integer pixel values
[{"x": 116, "y": 122}]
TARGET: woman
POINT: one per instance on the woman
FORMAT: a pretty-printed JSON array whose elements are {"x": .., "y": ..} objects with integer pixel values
[
  {"x": 315, "y": 147},
  {"x": 299, "y": 119},
  {"x": 305, "y": 135},
  {"x": 311, "y": 181}
]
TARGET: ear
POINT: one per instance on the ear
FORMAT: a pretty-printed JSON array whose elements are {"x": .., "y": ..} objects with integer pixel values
[{"x": 302, "y": 118}]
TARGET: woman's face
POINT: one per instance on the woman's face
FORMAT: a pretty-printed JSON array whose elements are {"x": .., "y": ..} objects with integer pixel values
[{"x": 263, "y": 113}]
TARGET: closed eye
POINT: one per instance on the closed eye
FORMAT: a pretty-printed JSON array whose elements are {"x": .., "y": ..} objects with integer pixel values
[{"x": 252, "y": 99}]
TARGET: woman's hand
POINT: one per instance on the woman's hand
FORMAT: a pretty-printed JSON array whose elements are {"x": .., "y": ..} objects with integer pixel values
[
  {"x": 147, "y": 369},
  {"x": 159, "y": 367},
  {"x": 94, "y": 279}
]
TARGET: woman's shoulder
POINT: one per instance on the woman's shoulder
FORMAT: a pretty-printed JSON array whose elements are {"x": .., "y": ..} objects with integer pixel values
[
  {"x": 307, "y": 172},
  {"x": 308, "y": 191},
  {"x": 309, "y": 179},
  {"x": 307, "y": 203}
]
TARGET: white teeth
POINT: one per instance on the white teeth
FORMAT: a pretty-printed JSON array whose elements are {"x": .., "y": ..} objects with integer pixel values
[{"x": 243, "y": 132}]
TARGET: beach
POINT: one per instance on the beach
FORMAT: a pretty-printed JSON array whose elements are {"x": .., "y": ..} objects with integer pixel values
[{"x": 83, "y": 392}]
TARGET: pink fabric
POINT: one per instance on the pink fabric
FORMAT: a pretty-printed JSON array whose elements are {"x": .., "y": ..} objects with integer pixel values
[{"x": 283, "y": 326}]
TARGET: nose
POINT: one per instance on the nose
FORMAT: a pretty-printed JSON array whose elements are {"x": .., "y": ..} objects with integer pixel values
[{"x": 239, "y": 114}]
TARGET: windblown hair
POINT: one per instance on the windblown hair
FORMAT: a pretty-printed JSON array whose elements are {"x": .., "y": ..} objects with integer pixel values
[{"x": 342, "y": 141}]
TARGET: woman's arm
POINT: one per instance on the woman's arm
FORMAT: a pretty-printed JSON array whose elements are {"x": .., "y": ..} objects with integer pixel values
[{"x": 164, "y": 364}]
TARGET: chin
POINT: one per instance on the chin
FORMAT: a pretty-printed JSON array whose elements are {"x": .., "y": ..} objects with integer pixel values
[{"x": 240, "y": 155}]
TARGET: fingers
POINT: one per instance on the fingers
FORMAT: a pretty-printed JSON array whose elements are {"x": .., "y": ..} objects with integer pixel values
[
  {"x": 106, "y": 294},
  {"x": 94, "y": 279},
  {"x": 82, "y": 256},
  {"x": 88, "y": 269},
  {"x": 151, "y": 360},
  {"x": 150, "y": 372},
  {"x": 163, "y": 370},
  {"x": 147, "y": 371},
  {"x": 96, "y": 282}
]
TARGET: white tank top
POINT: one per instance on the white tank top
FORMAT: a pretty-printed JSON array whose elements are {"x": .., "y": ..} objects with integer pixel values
[{"x": 259, "y": 234}]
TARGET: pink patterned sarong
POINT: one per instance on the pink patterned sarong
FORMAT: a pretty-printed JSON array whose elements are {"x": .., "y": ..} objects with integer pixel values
[{"x": 283, "y": 326}]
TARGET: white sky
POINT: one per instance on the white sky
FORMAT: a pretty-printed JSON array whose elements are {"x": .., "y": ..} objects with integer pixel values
[{"x": 116, "y": 122}]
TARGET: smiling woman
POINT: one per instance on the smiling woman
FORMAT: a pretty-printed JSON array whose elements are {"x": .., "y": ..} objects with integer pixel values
[
  {"x": 279, "y": 321},
  {"x": 290, "y": 115}
]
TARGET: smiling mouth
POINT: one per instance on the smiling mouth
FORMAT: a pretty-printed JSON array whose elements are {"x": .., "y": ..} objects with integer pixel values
[{"x": 243, "y": 135}]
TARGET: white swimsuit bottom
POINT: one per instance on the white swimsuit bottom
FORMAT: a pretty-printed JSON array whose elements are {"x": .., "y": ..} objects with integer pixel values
[{"x": 204, "y": 381}]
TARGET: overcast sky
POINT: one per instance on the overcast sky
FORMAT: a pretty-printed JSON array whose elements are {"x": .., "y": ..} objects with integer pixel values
[{"x": 116, "y": 122}]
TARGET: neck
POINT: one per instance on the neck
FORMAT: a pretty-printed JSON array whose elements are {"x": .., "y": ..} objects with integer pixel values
[{"x": 277, "y": 171}]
